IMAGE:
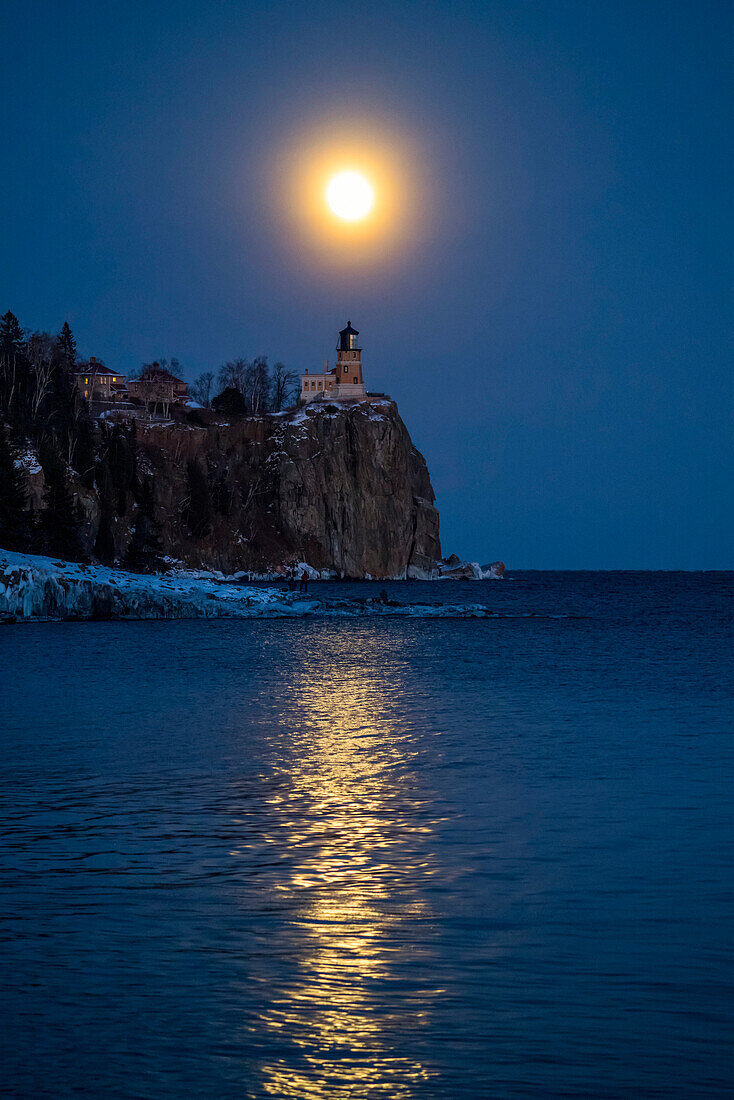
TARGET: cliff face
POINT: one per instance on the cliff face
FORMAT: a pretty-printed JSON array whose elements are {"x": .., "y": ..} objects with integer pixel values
[
  {"x": 341, "y": 487},
  {"x": 350, "y": 489}
]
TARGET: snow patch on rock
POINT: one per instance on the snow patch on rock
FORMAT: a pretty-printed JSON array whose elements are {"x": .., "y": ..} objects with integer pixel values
[{"x": 27, "y": 460}]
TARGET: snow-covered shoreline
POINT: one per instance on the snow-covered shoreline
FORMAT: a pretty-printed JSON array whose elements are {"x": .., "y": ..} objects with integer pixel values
[
  {"x": 36, "y": 588},
  {"x": 42, "y": 589}
]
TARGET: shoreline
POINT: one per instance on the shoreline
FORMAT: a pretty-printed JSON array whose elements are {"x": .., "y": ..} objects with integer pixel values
[{"x": 34, "y": 588}]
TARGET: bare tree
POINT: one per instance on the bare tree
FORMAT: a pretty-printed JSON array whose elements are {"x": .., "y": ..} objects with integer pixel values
[
  {"x": 250, "y": 378},
  {"x": 257, "y": 385},
  {"x": 201, "y": 389},
  {"x": 172, "y": 365},
  {"x": 39, "y": 351},
  {"x": 282, "y": 384},
  {"x": 253, "y": 380},
  {"x": 154, "y": 387},
  {"x": 232, "y": 375},
  {"x": 9, "y": 374},
  {"x": 155, "y": 392}
]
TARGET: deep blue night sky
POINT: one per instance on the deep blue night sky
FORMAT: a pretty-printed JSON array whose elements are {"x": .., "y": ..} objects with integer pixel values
[{"x": 555, "y": 337}]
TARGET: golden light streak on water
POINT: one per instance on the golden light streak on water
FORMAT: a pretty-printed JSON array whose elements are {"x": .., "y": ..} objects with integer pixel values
[{"x": 357, "y": 906}]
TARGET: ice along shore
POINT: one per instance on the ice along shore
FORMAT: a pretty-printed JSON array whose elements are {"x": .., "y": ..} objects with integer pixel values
[{"x": 35, "y": 588}]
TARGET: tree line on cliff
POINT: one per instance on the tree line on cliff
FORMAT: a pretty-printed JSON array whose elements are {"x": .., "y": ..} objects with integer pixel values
[
  {"x": 43, "y": 414},
  {"x": 246, "y": 387},
  {"x": 40, "y": 408}
]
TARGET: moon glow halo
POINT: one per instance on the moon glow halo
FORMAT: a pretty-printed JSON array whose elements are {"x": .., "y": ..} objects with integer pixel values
[{"x": 348, "y": 189}]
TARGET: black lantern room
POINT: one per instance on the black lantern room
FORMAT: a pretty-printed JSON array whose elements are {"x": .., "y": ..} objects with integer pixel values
[{"x": 348, "y": 339}]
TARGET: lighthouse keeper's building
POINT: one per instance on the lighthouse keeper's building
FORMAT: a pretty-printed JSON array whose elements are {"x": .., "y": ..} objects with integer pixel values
[{"x": 344, "y": 382}]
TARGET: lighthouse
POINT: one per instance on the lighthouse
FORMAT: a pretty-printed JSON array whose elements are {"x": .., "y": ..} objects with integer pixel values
[
  {"x": 344, "y": 382},
  {"x": 349, "y": 359}
]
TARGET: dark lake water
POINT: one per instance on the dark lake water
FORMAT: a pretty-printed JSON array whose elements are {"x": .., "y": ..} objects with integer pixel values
[{"x": 375, "y": 857}]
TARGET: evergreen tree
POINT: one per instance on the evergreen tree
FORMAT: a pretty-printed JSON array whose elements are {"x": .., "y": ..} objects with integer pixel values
[
  {"x": 15, "y": 519},
  {"x": 68, "y": 416},
  {"x": 66, "y": 347},
  {"x": 229, "y": 402},
  {"x": 14, "y": 374},
  {"x": 145, "y": 553},
  {"x": 198, "y": 510},
  {"x": 60, "y": 524},
  {"x": 11, "y": 335}
]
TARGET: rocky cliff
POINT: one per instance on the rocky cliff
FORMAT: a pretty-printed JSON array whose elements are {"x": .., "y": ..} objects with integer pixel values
[{"x": 339, "y": 486}]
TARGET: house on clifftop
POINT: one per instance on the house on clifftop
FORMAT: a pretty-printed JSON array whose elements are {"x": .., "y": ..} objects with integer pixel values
[
  {"x": 96, "y": 382},
  {"x": 157, "y": 389},
  {"x": 343, "y": 382}
]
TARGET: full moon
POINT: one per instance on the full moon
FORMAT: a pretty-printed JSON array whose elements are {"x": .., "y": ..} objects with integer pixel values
[{"x": 350, "y": 196}]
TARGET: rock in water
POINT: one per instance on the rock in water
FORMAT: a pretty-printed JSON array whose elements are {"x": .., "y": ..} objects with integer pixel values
[{"x": 453, "y": 569}]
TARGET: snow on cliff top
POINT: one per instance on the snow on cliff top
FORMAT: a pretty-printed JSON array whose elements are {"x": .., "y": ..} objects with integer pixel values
[{"x": 323, "y": 406}]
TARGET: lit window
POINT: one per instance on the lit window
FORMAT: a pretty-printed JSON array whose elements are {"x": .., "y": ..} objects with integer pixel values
[
  {"x": 114, "y": 379},
  {"x": 86, "y": 381},
  {"x": 86, "y": 393}
]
